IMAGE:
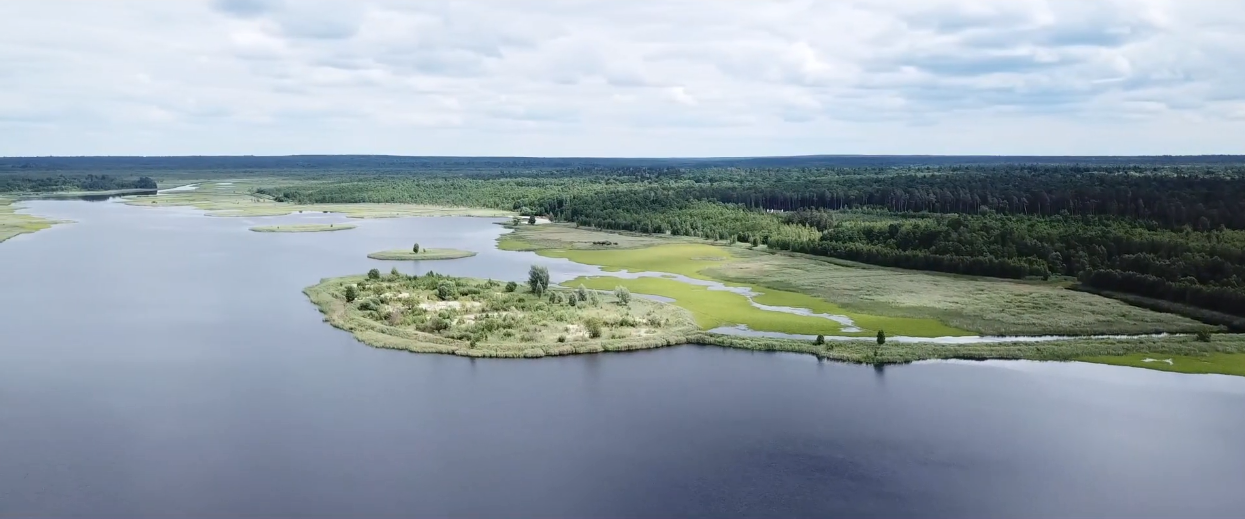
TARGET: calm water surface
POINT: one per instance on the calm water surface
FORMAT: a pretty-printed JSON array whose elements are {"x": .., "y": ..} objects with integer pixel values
[{"x": 158, "y": 362}]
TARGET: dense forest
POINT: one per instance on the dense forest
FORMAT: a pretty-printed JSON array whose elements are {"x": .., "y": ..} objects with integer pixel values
[
  {"x": 1170, "y": 228},
  {"x": 1170, "y": 232},
  {"x": 89, "y": 182}
]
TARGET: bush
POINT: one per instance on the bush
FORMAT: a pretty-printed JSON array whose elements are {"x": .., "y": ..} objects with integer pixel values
[
  {"x": 821, "y": 339},
  {"x": 623, "y": 295},
  {"x": 436, "y": 324},
  {"x": 881, "y": 337},
  {"x": 446, "y": 290},
  {"x": 373, "y": 274},
  {"x": 561, "y": 338},
  {"x": 351, "y": 293},
  {"x": 1203, "y": 336},
  {"x": 415, "y": 248},
  {"x": 593, "y": 325},
  {"x": 512, "y": 286},
  {"x": 393, "y": 273},
  {"x": 572, "y": 300},
  {"x": 582, "y": 293}
]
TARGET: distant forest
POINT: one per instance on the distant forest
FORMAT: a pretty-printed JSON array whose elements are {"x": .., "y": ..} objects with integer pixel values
[{"x": 1168, "y": 228}]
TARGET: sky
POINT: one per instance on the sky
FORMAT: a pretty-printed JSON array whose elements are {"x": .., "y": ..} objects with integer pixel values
[{"x": 634, "y": 78}]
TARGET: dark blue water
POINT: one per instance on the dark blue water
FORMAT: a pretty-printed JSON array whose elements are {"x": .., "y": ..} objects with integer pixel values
[{"x": 158, "y": 362}]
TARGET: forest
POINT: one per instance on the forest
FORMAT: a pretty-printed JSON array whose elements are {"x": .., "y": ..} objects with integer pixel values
[
  {"x": 1167, "y": 228},
  {"x": 1175, "y": 233}
]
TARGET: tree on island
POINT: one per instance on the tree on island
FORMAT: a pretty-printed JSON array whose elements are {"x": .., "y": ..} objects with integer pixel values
[
  {"x": 415, "y": 249},
  {"x": 821, "y": 339},
  {"x": 373, "y": 274},
  {"x": 351, "y": 293},
  {"x": 538, "y": 279},
  {"x": 881, "y": 337}
]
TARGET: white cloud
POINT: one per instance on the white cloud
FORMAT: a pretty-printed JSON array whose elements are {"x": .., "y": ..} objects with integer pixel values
[{"x": 566, "y": 77}]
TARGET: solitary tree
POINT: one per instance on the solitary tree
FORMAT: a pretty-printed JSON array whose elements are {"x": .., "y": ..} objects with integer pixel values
[
  {"x": 623, "y": 295},
  {"x": 538, "y": 279},
  {"x": 582, "y": 293},
  {"x": 511, "y": 286},
  {"x": 394, "y": 272},
  {"x": 373, "y": 274},
  {"x": 531, "y": 220},
  {"x": 821, "y": 339},
  {"x": 415, "y": 249},
  {"x": 351, "y": 293},
  {"x": 881, "y": 337}
]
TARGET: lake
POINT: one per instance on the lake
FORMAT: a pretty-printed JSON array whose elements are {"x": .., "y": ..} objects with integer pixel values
[{"x": 159, "y": 362}]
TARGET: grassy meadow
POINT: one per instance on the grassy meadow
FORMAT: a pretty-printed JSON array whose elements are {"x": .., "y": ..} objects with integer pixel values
[
  {"x": 1203, "y": 363},
  {"x": 422, "y": 255},
  {"x": 304, "y": 227},
  {"x": 12, "y": 223}
]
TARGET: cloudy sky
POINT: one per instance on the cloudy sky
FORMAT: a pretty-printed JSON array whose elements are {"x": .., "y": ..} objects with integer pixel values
[{"x": 621, "y": 78}]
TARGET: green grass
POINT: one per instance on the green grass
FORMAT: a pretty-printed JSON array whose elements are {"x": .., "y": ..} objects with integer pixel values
[
  {"x": 1213, "y": 362},
  {"x": 713, "y": 308},
  {"x": 237, "y": 199},
  {"x": 422, "y": 255},
  {"x": 983, "y": 305},
  {"x": 13, "y": 224},
  {"x": 688, "y": 259},
  {"x": 526, "y": 237},
  {"x": 304, "y": 227}
]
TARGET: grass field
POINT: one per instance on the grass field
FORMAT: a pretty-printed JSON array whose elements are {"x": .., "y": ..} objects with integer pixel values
[
  {"x": 422, "y": 255},
  {"x": 984, "y": 305},
  {"x": 304, "y": 227},
  {"x": 234, "y": 198},
  {"x": 566, "y": 236},
  {"x": 1212, "y": 362},
  {"x": 13, "y": 223}
]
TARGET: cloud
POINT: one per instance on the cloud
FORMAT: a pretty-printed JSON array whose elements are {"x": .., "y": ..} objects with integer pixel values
[{"x": 566, "y": 77}]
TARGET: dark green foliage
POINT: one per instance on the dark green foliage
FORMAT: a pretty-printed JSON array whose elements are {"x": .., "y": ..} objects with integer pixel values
[
  {"x": 582, "y": 293},
  {"x": 531, "y": 220},
  {"x": 89, "y": 182},
  {"x": 538, "y": 279},
  {"x": 821, "y": 339},
  {"x": 881, "y": 337},
  {"x": 1203, "y": 336},
  {"x": 393, "y": 273},
  {"x": 511, "y": 286},
  {"x": 351, "y": 293},
  {"x": 373, "y": 274},
  {"x": 623, "y": 295},
  {"x": 415, "y": 248}
]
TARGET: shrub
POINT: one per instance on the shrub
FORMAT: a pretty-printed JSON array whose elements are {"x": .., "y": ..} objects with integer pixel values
[
  {"x": 555, "y": 298},
  {"x": 561, "y": 338},
  {"x": 394, "y": 273},
  {"x": 572, "y": 300},
  {"x": 373, "y": 274},
  {"x": 1203, "y": 336},
  {"x": 512, "y": 286},
  {"x": 881, "y": 337},
  {"x": 415, "y": 248},
  {"x": 446, "y": 290},
  {"x": 623, "y": 295},
  {"x": 538, "y": 279},
  {"x": 582, "y": 293},
  {"x": 593, "y": 325},
  {"x": 436, "y": 324},
  {"x": 821, "y": 339},
  {"x": 368, "y": 305},
  {"x": 593, "y": 299},
  {"x": 351, "y": 293},
  {"x": 531, "y": 220}
]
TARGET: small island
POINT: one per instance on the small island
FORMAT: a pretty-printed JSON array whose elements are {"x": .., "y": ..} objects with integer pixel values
[
  {"x": 421, "y": 255},
  {"x": 435, "y": 313},
  {"x": 304, "y": 227}
]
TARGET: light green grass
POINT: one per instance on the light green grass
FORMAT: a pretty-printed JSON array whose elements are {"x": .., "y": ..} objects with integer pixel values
[
  {"x": 237, "y": 199},
  {"x": 714, "y": 308},
  {"x": 526, "y": 237},
  {"x": 422, "y": 255},
  {"x": 304, "y": 227},
  {"x": 688, "y": 259},
  {"x": 1213, "y": 362},
  {"x": 983, "y": 305},
  {"x": 13, "y": 223}
]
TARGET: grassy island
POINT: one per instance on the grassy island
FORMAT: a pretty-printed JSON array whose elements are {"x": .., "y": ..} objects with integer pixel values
[
  {"x": 422, "y": 255},
  {"x": 305, "y": 227},
  {"x": 485, "y": 318}
]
